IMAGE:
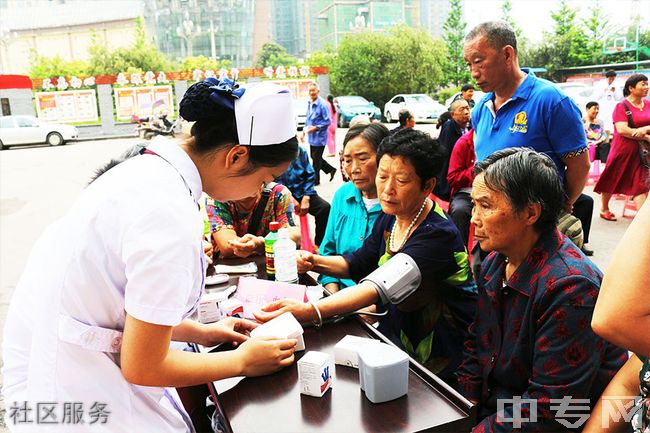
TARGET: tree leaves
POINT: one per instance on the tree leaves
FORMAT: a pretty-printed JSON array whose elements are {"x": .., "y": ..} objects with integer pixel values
[
  {"x": 456, "y": 71},
  {"x": 380, "y": 65},
  {"x": 274, "y": 55}
]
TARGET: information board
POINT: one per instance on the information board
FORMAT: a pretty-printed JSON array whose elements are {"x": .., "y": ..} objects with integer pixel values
[{"x": 67, "y": 106}]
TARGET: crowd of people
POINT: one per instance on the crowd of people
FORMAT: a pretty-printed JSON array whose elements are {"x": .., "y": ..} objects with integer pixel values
[{"x": 519, "y": 314}]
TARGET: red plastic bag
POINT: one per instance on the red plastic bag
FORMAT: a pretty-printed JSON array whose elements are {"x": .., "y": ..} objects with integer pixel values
[{"x": 305, "y": 236}]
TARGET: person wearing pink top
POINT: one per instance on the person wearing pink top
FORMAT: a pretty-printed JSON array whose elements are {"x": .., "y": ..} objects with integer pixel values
[{"x": 331, "y": 130}]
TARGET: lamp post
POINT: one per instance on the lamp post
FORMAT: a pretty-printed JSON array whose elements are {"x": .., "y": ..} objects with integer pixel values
[{"x": 187, "y": 31}]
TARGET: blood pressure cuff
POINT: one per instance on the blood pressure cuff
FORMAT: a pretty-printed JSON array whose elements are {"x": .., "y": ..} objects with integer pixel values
[{"x": 396, "y": 279}]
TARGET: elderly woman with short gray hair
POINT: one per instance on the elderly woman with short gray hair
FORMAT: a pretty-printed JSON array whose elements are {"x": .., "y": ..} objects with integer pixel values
[{"x": 531, "y": 337}]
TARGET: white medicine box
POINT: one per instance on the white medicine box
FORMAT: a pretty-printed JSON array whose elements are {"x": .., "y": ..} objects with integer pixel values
[
  {"x": 209, "y": 308},
  {"x": 283, "y": 326},
  {"x": 315, "y": 373}
]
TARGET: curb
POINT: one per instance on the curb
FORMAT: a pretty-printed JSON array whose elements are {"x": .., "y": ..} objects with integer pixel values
[{"x": 105, "y": 137}]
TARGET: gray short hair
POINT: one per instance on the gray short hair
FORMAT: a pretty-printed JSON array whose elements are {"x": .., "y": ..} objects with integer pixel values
[
  {"x": 526, "y": 177},
  {"x": 454, "y": 105},
  {"x": 498, "y": 33}
]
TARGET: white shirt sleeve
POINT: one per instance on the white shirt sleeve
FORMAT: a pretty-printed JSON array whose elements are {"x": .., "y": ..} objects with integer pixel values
[{"x": 161, "y": 253}]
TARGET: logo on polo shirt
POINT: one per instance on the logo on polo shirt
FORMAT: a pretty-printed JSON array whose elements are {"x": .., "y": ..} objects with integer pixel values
[{"x": 521, "y": 123}]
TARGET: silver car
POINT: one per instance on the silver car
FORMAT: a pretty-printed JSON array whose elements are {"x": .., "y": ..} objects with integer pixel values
[{"x": 18, "y": 130}]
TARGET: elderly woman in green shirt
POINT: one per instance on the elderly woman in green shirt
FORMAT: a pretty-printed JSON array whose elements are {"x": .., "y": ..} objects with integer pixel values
[{"x": 355, "y": 205}]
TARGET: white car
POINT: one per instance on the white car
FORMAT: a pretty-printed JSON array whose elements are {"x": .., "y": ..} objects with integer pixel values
[
  {"x": 17, "y": 130},
  {"x": 420, "y": 105},
  {"x": 300, "y": 109},
  {"x": 579, "y": 92}
]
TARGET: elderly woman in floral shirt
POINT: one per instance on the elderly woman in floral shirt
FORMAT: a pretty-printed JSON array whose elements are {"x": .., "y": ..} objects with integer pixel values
[
  {"x": 230, "y": 221},
  {"x": 531, "y": 338}
]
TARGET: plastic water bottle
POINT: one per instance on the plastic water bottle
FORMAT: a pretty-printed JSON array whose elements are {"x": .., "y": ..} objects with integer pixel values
[
  {"x": 269, "y": 241},
  {"x": 284, "y": 251}
]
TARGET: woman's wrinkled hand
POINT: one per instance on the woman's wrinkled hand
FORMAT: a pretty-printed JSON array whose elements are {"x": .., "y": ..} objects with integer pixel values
[{"x": 304, "y": 261}]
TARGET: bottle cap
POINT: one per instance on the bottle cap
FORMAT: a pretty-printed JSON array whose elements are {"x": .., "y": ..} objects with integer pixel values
[{"x": 274, "y": 226}]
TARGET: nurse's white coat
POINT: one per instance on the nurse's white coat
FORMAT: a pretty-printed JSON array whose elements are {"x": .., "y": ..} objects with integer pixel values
[{"x": 131, "y": 243}]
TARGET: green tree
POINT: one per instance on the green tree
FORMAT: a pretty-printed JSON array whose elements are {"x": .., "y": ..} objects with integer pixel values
[
  {"x": 274, "y": 55},
  {"x": 569, "y": 38},
  {"x": 455, "y": 69},
  {"x": 506, "y": 10},
  {"x": 49, "y": 67},
  {"x": 378, "y": 65},
  {"x": 321, "y": 58},
  {"x": 596, "y": 29},
  {"x": 142, "y": 56}
]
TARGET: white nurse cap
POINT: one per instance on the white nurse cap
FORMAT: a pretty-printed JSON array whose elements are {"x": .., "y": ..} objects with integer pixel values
[{"x": 265, "y": 115}]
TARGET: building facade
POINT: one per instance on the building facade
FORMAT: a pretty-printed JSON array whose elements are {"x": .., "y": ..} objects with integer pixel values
[
  {"x": 338, "y": 18},
  {"x": 433, "y": 14},
  {"x": 61, "y": 28},
  {"x": 219, "y": 29}
]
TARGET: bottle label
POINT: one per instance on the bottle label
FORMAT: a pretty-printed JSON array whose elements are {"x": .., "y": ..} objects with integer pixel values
[{"x": 270, "y": 262}]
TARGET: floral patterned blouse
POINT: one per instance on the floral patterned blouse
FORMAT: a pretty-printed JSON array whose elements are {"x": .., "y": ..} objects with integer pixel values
[
  {"x": 641, "y": 418},
  {"x": 225, "y": 215}
]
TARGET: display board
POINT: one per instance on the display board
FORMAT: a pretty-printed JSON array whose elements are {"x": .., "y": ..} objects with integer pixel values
[
  {"x": 143, "y": 101},
  {"x": 67, "y": 106}
]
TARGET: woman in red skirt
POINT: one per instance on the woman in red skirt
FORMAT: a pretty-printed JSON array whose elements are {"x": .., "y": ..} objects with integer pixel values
[{"x": 624, "y": 173}]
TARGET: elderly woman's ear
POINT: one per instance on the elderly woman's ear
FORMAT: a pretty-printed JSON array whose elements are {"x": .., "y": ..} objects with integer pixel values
[
  {"x": 531, "y": 213},
  {"x": 429, "y": 185}
]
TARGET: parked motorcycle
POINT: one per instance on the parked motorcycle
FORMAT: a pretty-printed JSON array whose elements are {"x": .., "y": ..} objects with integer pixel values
[{"x": 158, "y": 126}]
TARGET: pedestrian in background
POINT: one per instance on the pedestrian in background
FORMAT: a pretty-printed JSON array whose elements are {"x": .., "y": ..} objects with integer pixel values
[
  {"x": 624, "y": 172},
  {"x": 300, "y": 179},
  {"x": 316, "y": 124},
  {"x": 331, "y": 130}
]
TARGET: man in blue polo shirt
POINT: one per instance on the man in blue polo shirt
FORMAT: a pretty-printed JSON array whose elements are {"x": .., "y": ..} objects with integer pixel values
[
  {"x": 316, "y": 124},
  {"x": 521, "y": 110}
]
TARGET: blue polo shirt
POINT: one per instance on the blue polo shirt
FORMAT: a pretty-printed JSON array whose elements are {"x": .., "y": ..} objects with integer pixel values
[
  {"x": 538, "y": 116},
  {"x": 318, "y": 115}
]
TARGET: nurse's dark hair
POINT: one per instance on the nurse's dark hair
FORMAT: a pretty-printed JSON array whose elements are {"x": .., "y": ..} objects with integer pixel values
[
  {"x": 632, "y": 82},
  {"x": 128, "y": 153},
  {"x": 373, "y": 133},
  {"x": 424, "y": 152},
  {"x": 525, "y": 177},
  {"x": 498, "y": 34},
  {"x": 215, "y": 128}
]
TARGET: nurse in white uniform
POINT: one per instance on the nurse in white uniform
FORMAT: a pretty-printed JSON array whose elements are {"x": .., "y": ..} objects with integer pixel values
[{"x": 109, "y": 286}]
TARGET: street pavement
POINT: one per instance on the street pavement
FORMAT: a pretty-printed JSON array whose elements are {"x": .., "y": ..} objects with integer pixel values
[{"x": 39, "y": 183}]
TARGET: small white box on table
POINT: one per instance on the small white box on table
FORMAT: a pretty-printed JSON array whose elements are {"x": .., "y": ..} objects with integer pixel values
[
  {"x": 283, "y": 326},
  {"x": 315, "y": 373}
]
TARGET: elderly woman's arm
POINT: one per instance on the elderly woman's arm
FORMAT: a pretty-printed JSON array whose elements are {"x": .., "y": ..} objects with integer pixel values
[
  {"x": 351, "y": 299},
  {"x": 334, "y": 266},
  {"x": 222, "y": 230},
  {"x": 622, "y": 313}
]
